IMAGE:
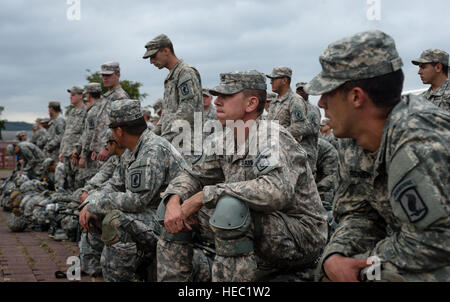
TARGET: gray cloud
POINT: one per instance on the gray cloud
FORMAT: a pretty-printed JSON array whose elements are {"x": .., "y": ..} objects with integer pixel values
[{"x": 43, "y": 53}]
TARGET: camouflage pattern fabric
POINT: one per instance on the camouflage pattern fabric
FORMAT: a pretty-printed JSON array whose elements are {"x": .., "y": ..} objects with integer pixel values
[
  {"x": 39, "y": 138},
  {"x": 147, "y": 171},
  {"x": 281, "y": 190},
  {"x": 331, "y": 139},
  {"x": 297, "y": 116},
  {"x": 393, "y": 203},
  {"x": 104, "y": 174},
  {"x": 182, "y": 98},
  {"x": 32, "y": 158},
  {"x": 432, "y": 56},
  {"x": 55, "y": 134},
  {"x": 440, "y": 97},
  {"x": 91, "y": 247},
  {"x": 327, "y": 171}
]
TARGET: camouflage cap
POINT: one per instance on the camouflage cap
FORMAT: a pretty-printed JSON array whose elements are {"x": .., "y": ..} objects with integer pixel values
[
  {"x": 93, "y": 88},
  {"x": 146, "y": 111},
  {"x": 47, "y": 163},
  {"x": 324, "y": 121},
  {"x": 280, "y": 72},
  {"x": 300, "y": 85},
  {"x": 45, "y": 120},
  {"x": 54, "y": 104},
  {"x": 234, "y": 82},
  {"x": 271, "y": 97},
  {"x": 109, "y": 136},
  {"x": 205, "y": 91},
  {"x": 157, "y": 105},
  {"x": 20, "y": 134},
  {"x": 110, "y": 68},
  {"x": 38, "y": 120},
  {"x": 10, "y": 149},
  {"x": 156, "y": 44},
  {"x": 432, "y": 56},
  {"x": 124, "y": 111},
  {"x": 75, "y": 89},
  {"x": 362, "y": 56}
]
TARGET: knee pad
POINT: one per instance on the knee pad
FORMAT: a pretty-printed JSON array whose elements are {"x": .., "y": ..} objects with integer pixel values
[
  {"x": 111, "y": 228},
  {"x": 231, "y": 222}
]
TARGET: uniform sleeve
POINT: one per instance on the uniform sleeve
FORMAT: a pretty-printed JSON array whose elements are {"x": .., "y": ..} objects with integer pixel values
[
  {"x": 53, "y": 142},
  {"x": 144, "y": 181},
  {"x": 359, "y": 226},
  {"x": 190, "y": 100},
  {"x": 420, "y": 196},
  {"x": 104, "y": 174}
]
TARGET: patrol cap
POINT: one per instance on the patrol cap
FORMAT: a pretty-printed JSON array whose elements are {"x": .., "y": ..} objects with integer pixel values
[
  {"x": 157, "y": 105},
  {"x": 20, "y": 134},
  {"x": 361, "y": 56},
  {"x": 324, "y": 121},
  {"x": 10, "y": 149},
  {"x": 271, "y": 96},
  {"x": 205, "y": 91},
  {"x": 124, "y": 111},
  {"x": 109, "y": 136},
  {"x": 45, "y": 120},
  {"x": 38, "y": 120},
  {"x": 110, "y": 68},
  {"x": 300, "y": 85},
  {"x": 146, "y": 111},
  {"x": 156, "y": 44},
  {"x": 432, "y": 56},
  {"x": 54, "y": 104},
  {"x": 75, "y": 89},
  {"x": 47, "y": 163},
  {"x": 234, "y": 82},
  {"x": 280, "y": 72},
  {"x": 93, "y": 88}
]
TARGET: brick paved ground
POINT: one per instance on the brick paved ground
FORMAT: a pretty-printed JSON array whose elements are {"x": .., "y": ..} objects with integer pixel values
[{"x": 32, "y": 256}]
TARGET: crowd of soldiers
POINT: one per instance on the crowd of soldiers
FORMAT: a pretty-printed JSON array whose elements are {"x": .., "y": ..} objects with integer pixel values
[{"x": 319, "y": 198}]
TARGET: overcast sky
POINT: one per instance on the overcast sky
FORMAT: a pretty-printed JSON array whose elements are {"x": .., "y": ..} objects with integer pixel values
[{"x": 43, "y": 52}]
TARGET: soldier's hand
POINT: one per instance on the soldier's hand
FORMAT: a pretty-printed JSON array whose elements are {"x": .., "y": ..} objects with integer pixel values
[
  {"x": 84, "y": 218},
  {"x": 189, "y": 207},
  {"x": 82, "y": 163},
  {"x": 93, "y": 156},
  {"x": 83, "y": 196},
  {"x": 173, "y": 221},
  {"x": 60, "y": 157},
  {"x": 343, "y": 269},
  {"x": 103, "y": 155}
]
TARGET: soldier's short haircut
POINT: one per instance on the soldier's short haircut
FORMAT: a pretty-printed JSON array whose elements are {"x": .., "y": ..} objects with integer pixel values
[
  {"x": 57, "y": 108},
  {"x": 260, "y": 94},
  {"x": 385, "y": 91},
  {"x": 170, "y": 46},
  {"x": 444, "y": 68},
  {"x": 136, "y": 127}
]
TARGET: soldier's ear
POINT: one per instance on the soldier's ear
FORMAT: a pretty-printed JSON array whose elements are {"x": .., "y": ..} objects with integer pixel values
[{"x": 252, "y": 104}]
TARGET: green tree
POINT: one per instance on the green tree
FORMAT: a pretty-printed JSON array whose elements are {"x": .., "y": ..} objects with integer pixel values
[
  {"x": 2, "y": 122},
  {"x": 132, "y": 88}
]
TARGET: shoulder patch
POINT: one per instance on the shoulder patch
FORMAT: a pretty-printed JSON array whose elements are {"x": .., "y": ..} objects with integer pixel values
[
  {"x": 410, "y": 200},
  {"x": 135, "y": 179}
]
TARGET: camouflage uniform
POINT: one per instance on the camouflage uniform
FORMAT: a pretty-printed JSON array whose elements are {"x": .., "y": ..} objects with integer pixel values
[
  {"x": 72, "y": 135},
  {"x": 55, "y": 134},
  {"x": 129, "y": 200},
  {"x": 297, "y": 116},
  {"x": 392, "y": 203},
  {"x": 182, "y": 96},
  {"x": 33, "y": 158},
  {"x": 286, "y": 227},
  {"x": 440, "y": 97},
  {"x": 41, "y": 138},
  {"x": 327, "y": 169}
]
